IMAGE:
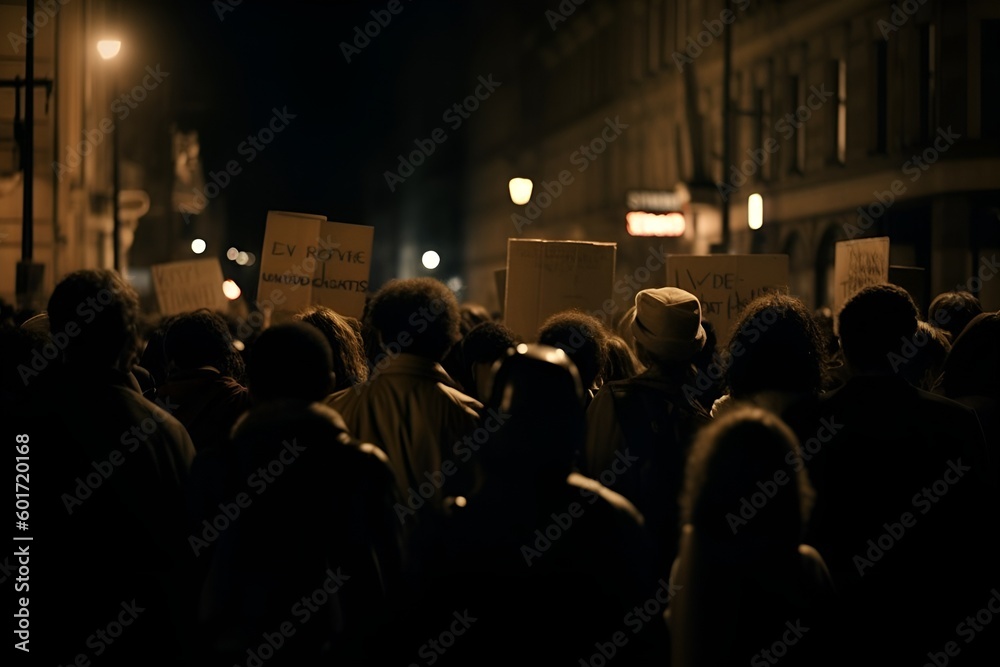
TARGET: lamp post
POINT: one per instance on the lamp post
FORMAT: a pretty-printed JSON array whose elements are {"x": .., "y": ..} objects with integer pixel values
[{"x": 108, "y": 49}]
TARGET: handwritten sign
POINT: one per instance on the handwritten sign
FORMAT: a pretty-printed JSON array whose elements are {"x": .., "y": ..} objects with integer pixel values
[
  {"x": 856, "y": 265},
  {"x": 313, "y": 261},
  {"x": 725, "y": 284},
  {"x": 185, "y": 286},
  {"x": 547, "y": 277}
]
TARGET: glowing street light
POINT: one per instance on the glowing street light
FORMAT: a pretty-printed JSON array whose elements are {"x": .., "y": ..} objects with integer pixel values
[
  {"x": 520, "y": 190},
  {"x": 755, "y": 211},
  {"x": 430, "y": 259},
  {"x": 198, "y": 246},
  {"x": 109, "y": 48}
]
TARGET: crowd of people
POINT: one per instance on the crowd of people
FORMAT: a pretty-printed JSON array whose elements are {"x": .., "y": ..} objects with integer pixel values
[{"x": 423, "y": 487}]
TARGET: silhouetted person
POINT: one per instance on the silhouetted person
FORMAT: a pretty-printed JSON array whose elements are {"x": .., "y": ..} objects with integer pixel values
[
  {"x": 744, "y": 579},
  {"x": 480, "y": 349},
  {"x": 621, "y": 362},
  {"x": 897, "y": 491},
  {"x": 315, "y": 541},
  {"x": 540, "y": 553},
  {"x": 776, "y": 360},
  {"x": 202, "y": 365},
  {"x": 952, "y": 311},
  {"x": 410, "y": 407},
  {"x": 584, "y": 339},
  {"x": 349, "y": 364},
  {"x": 111, "y": 467},
  {"x": 971, "y": 376},
  {"x": 649, "y": 421},
  {"x": 923, "y": 368}
]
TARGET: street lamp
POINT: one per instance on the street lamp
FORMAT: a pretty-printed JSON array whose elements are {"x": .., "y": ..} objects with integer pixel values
[
  {"x": 520, "y": 190},
  {"x": 108, "y": 49}
]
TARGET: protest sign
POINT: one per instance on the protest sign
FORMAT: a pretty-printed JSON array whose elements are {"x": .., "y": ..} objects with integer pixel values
[{"x": 189, "y": 285}]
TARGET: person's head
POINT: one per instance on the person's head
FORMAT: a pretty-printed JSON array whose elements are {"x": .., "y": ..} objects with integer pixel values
[
  {"x": 290, "y": 361},
  {"x": 952, "y": 311},
  {"x": 973, "y": 365},
  {"x": 473, "y": 314},
  {"x": 416, "y": 315},
  {"x": 776, "y": 346},
  {"x": 667, "y": 327},
  {"x": 582, "y": 337},
  {"x": 621, "y": 363},
  {"x": 923, "y": 367},
  {"x": 199, "y": 339},
  {"x": 728, "y": 462},
  {"x": 874, "y": 325},
  {"x": 481, "y": 348},
  {"x": 349, "y": 364},
  {"x": 97, "y": 312},
  {"x": 539, "y": 388}
]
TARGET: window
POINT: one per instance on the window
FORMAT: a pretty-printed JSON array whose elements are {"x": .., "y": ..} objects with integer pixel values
[
  {"x": 840, "y": 130},
  {"x": 928, "y": 81},
  {"x": 989, "y": 79},
  {"x": 881, "y": 130}
]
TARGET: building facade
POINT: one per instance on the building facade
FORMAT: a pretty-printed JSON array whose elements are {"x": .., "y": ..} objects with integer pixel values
[{"x": 851, "y": 119}]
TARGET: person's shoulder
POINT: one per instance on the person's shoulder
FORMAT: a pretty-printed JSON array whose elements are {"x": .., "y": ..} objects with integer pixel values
[
  {"x": 460, "y": 400},
  {"x": 596, "y": 493}
]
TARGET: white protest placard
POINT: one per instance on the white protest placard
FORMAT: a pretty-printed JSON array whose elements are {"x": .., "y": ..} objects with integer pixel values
[
  {"x": 856, "y": 265},
  {"x": 189, "y": 285},
  {"x": 307, "y": 260},
  {"x": 546, "y": 277},
  {"x": 725, "y": 284}
]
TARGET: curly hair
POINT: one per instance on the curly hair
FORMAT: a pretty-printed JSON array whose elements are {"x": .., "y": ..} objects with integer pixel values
[
  {"x": 582, "y": 337},
  {"x": 777, "y": 345},
  {"x": 419, "y": 315},
  {"x": 349, "y": 363},
  {"x": 103, "y": 310}
]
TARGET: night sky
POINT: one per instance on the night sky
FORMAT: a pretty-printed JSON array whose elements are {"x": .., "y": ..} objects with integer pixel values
[{"x": 232, "y": 68}]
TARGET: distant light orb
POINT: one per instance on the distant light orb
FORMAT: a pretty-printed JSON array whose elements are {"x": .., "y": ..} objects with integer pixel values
[
  {"x": 231, "y": 290},
  {"x": 198, "y": 246},
  {"x": 242, "y": 258},
  {"x": 455, "y": 283},
  {"x": 431, "y": 259},
  {"x": 251, "y": 259},
  {"x": 232, "y": 253}
]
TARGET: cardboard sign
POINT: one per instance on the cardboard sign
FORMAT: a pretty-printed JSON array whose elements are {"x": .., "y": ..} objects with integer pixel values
[
  {"x": 725, "y": 284},
  {"x": 307, "y": 260},
  {"x": 856, "y": 265},
  {"x": 546, "y": 277},
  {"x": 185, "y": 286},
  {"x": 913, "y": 280}
]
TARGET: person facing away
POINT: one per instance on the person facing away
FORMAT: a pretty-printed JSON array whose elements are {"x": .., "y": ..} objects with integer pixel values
[
  {"x": 202, "y": 367},
  {"x": 112, "y": 467},
  {"x": 584, "y": 339},
  {"x": 349, "y": 364},
  {"x": 776, "y": 360},
  {"x": 410, "y": 407},
  {"x": 898, "y": 489},
  {"x": 639, "y": 429},
  {"x": 539, "y": 552},
  {"x": 743, "y": 578},
  {"x": 315, "y": 541},
  {"x": 952, "y": 312}
]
